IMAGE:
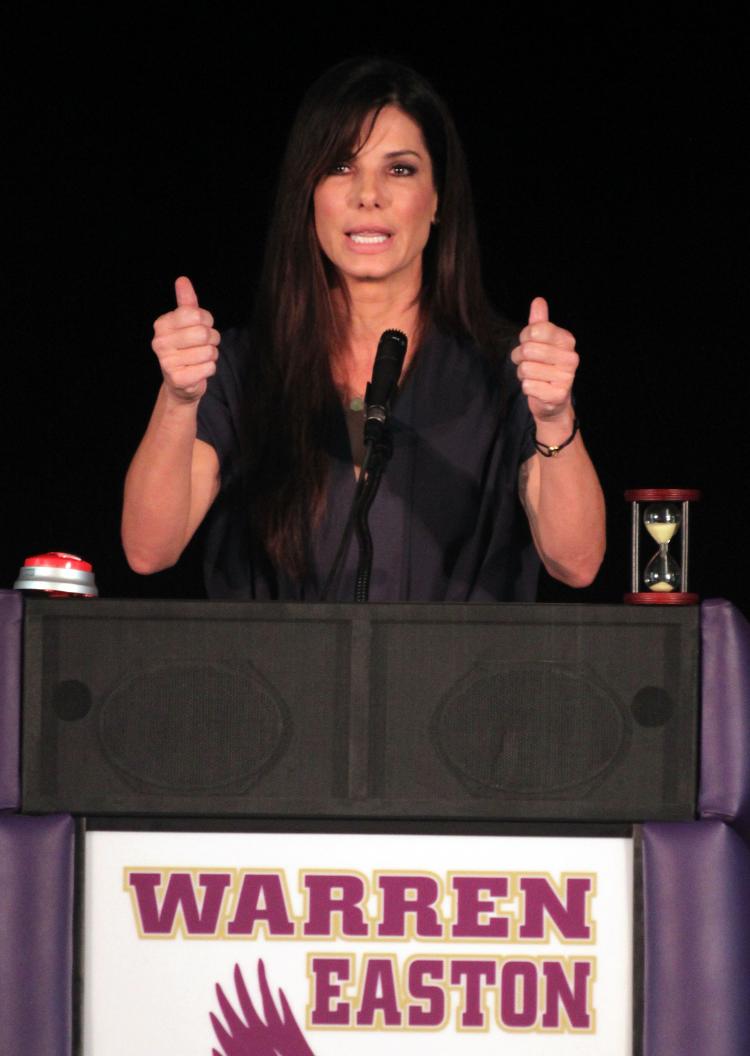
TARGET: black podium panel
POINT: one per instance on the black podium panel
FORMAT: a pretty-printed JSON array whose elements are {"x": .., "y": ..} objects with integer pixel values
[{"x": 422, "y": 711}]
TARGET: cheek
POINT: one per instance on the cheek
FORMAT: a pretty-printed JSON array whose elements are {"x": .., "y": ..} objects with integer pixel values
[
  {"x": 323, "y": 211},
  {"x": 423, "y": 210},
  {"x": 422, "y": 223}
]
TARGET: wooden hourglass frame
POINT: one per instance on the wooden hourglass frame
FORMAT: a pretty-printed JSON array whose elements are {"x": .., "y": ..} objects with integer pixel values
[{"x": 666, "y": 514}]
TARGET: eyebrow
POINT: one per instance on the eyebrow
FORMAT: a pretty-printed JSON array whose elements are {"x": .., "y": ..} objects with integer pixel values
[{"x": 400, "y": 153}]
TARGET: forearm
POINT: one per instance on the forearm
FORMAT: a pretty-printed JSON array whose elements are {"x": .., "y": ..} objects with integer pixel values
[
  {"x": 565, "y": 506},
  {"x": 157, "y": 499}
]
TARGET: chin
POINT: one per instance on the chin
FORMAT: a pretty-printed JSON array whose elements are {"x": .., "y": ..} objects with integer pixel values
[{"x": 362, "y": 276}]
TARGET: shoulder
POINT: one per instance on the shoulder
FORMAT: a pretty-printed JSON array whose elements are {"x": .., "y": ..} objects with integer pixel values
[
  {"x": 490, "y": 373},
  {"x": 486, "y": 364},
  {"x": 494, "y": 345},
  {"x": 228, "y": 382},
  {"x": 220, "y": 409},
  {"x": 234, "y": 351}
]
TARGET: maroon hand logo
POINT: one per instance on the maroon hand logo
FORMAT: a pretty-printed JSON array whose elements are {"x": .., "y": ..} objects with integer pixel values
[{"x": 279, "y": 1035}]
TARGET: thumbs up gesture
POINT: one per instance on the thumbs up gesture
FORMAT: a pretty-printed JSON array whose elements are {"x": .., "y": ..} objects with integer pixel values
[
  {"x": 546, "y": 362},
  {"x": 186, "y": 345}
]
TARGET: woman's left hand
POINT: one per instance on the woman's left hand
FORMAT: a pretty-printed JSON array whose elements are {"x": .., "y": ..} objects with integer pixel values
[
  {"x": 561, "y": 495},
  {"x": 546, "y": 362}
]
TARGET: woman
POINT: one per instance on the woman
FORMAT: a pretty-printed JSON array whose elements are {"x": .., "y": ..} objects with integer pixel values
[{"x": 373, "y": 229}]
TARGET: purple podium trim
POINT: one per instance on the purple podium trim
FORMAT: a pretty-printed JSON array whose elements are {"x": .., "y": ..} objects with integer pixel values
[
  {"x": 11, "y": 621},
  {"x": 725, "y": 734},
  {"x": 696, "y": 893},
  {"x": 36, "y": 934}
]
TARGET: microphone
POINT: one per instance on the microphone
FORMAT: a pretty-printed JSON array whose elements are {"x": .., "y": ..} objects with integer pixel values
[{"x": 389, "y": 360}]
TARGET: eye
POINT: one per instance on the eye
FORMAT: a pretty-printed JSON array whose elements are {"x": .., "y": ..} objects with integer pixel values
[
  {"x": 403, "y": 170},
  {"x": 341, "y": 168}
]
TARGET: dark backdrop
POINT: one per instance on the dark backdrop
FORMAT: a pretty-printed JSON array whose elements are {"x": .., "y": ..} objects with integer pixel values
[{"x": 608, "y": 163}]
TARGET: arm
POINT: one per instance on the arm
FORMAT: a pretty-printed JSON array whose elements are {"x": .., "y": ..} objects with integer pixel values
[
  {"x": 561, "y": 495},
  {"x": 173, "y": 478}
]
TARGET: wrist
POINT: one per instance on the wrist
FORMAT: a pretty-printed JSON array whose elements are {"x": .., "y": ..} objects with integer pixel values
[
  {"x": 557, "y": 428},
  {"x": 174, "y": 402},
  {"x": 550, "y": 441}
]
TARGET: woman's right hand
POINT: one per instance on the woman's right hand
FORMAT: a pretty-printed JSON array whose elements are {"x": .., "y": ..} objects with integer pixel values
[{"x": 186, "y": 345}]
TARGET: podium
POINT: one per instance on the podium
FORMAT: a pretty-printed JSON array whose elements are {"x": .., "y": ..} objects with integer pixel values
[
  {"x": 425, "y": 722},
  {"x": 496, "y": 712}
]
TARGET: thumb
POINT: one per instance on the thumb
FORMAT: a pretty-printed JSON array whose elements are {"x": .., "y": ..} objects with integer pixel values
[
  {"x": 538, "y": 312},
  {"x": 185, "y": 294}
]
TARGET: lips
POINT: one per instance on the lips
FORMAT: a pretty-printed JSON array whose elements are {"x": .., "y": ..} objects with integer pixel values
[
  {"x": 369, "y": 231},
  {"x": 369, "y": 237}
]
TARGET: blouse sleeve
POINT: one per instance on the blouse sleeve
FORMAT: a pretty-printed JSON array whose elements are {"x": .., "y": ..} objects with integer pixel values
[
  {"x": 519, "y": 418},
  {"x": 219, "y": 411}
]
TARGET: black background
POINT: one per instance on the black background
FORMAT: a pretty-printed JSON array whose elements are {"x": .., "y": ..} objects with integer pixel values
[{"x": 608, "y": 160}]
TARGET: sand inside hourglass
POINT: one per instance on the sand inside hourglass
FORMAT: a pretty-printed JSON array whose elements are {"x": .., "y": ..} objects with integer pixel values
[
  {"x": 662, "y": 531},
  {"x": 661, "y": 586}
]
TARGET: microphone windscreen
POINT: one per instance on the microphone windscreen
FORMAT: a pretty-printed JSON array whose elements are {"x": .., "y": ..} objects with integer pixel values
[{"x": 389, "y": 361}]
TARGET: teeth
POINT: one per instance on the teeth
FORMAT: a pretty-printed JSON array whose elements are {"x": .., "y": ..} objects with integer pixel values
[{"x": 368, "y": 240}]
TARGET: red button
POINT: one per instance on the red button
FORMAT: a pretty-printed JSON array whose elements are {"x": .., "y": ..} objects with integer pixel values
[{"x": 57, "y": 559}]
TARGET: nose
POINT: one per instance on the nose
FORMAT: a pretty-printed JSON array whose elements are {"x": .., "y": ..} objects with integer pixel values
[{"x": 368, "y": 191}]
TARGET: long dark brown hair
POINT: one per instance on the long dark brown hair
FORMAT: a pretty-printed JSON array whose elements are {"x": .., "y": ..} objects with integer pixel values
[{"x": 290, "y": 390}]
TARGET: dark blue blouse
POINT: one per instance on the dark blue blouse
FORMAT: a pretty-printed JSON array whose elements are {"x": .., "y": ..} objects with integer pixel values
[{"x": 447, "y": 524}]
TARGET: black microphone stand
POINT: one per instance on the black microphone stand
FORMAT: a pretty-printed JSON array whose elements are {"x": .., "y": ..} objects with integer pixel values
[
  {"x": 379, "y": 447},
  {"x": 378, "y": 452},
  {"x": 386, "y": 371}
]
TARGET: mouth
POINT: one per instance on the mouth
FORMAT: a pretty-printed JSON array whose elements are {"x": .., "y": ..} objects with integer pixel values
[{"x": 368, "y": 236}]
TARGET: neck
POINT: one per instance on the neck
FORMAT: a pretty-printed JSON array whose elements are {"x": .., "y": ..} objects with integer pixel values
[{"x": 369, "y": 309}]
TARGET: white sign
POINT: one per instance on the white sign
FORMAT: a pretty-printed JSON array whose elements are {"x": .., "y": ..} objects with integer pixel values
[{"x": 289, "y": 944}]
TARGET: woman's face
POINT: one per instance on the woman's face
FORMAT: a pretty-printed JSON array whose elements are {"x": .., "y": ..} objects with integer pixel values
[{"x": 373, "y": 212}]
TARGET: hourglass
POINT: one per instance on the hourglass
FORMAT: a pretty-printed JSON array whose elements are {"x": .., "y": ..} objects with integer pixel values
[{"x": 663, "y": 581}]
